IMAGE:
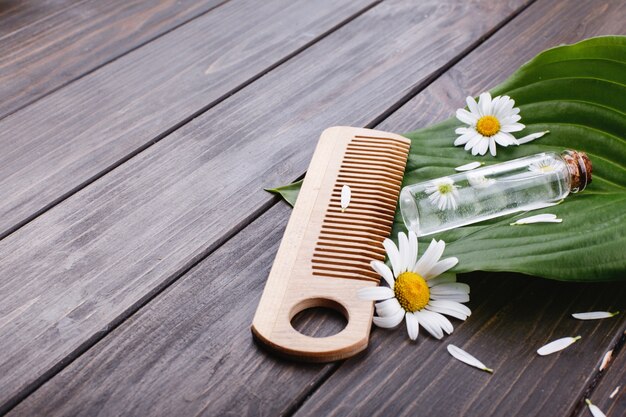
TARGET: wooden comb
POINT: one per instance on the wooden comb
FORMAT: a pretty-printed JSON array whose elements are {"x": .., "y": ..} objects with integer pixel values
[{"x": 325, "y": 253}]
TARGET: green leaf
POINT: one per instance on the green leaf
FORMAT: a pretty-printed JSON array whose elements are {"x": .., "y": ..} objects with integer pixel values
[
  {"x": 288, "y": 192},
  {"x": 578, "y": 93}
]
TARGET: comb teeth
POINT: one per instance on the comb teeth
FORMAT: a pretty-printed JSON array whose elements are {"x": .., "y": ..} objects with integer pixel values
[{"x": 373, "y": 168}]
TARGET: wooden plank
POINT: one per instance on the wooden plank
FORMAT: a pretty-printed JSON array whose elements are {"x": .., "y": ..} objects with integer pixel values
[
  {"x": 94, "y": 259},
  {"x": 195, "y": 354},
  {"x": 610, "y": 393},
  {"x": 67, "y": 139},
  {"x": 18, "y": 14},
  {"x": 512, "y": 315},
  {"x": 62, "y": 46}
]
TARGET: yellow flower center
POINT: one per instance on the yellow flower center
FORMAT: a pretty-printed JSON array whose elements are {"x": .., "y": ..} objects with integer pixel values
[
  {"x": 546, "y": 168},
  {"x": 444, "y": 188},
  {"x": 411, "y": 291},
  {"x": 488, "y": 126}
]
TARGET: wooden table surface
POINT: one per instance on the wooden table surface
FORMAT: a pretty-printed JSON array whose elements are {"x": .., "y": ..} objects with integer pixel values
[{"x": 136, "y": 138}]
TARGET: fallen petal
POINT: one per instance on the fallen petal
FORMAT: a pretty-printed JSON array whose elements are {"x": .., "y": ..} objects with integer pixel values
[
  {"x": 346, "y": 194},
  {"x": 469, "y": 167},
  {"x": 595, "y": 411},
  {"x": 532, "y": 136},
  {"x": 594, "y": 315},
  {"x": 557, "y": 345},
  {"x": 465, "y": 357},
  {"x": 606, "y": 359},
  {"x": 539, "y": 218},
  {"x": 615, "y": 391}
]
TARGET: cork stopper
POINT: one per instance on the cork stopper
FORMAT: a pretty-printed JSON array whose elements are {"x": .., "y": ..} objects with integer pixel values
[{"x": 579, "y": 166}]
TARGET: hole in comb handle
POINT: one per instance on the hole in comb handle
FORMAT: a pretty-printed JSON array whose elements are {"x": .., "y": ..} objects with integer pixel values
[{"x": 319, "y": 317}]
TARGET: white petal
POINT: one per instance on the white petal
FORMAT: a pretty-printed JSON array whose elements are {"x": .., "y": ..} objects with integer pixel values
[
  {"x": 389, "y": 322},
  {"x": 484, "y": 146},
  {"x": 403, "y": 242},
  {"x": 539, "y": 218},
  {"x": 484, "y": 104},
  {"x": 557, "y": 345},
  {"x": 346, "y": 193},
  {"x": 468, "y": 167},
  {"x": 412, "y": 326},
  {"x": 499, "y": 105},
  {"x": 512, "y": 127},
  {"x": 472, "y": 105},
  {"x": 442, "y": 321},
  {"x": 473, "y": 141},
  {"x": 463, "y": 130},
  {"x": 492, "y": 146},
  {"x": 531, "y": 137},
  {"x": 466, "y": 117},
  {"x": 595, "y": 411},
  {"x": 511, "y": 118},
  {"x": 451, "y": 308},
  {"x": 429, "y": 323},
  {"x": 383, "y": 270},
  {"x": 449, "y": 289},
  {"x": 441, "y": 267},
  {"x": 594, "y": 315},
  {"x": 374, "y": 293},
  {"x": 464, "y": 138},
  {"x": 388, "y": 307},
  {"x": 430, "y": 257},
  {"x": 394, "y": 256},
  {"x": 460, "y": 297},
  {"x": 501, "y": 139},
  {"x": 615, "y": 391},
  {"x": 465, "y": 357},
  {"x": 442, "y": 279}
]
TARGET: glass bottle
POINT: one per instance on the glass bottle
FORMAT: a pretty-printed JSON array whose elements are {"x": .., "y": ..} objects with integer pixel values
[{"x": 492, "y": 191}]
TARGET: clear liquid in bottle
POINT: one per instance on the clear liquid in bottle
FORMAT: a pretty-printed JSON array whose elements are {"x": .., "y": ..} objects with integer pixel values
[{"x": 457, "y": 200}]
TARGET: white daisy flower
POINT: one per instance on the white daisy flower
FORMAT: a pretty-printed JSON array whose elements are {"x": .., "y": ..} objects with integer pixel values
[
  {"x": 479, "y": 181},
  {"x": 443, "y": 193},
  {"x": 418, "y": 291},
  {"x": 543, "y": 167},
  {"x": 490, "y": 122}
]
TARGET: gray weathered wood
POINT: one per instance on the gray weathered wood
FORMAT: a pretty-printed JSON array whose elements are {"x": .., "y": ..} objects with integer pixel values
[
  {"x": 191, "y": 352},
  {"x": 19, "y": 14},
  {"x": 61, "y": 45},
  {"x": 512, "y": 315},
  {"x": 56, "y": 145},
  {"x": 612, "y": 381},
  {"x": 92, "y": 260}
]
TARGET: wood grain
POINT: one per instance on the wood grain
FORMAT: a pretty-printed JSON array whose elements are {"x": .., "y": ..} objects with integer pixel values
[
  {"x": 311, "y": 269},
  {"x": 67, "y": 139},
  {"x": 19, "y": 14},
  {"x": 65, "y": 44},
  {"x": 612, "y": 381},
  {"x": 94, "y": 259},
  {"x": 195, "y": 355},
  {"x": 512, "y": 315}
]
